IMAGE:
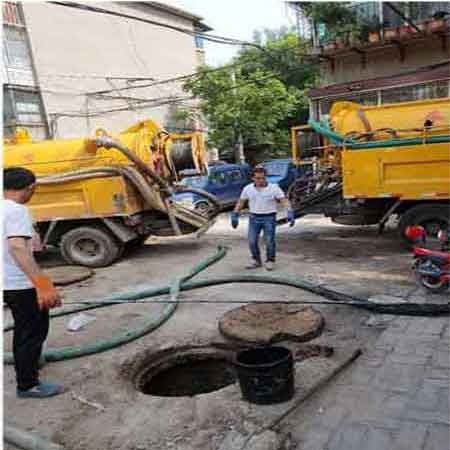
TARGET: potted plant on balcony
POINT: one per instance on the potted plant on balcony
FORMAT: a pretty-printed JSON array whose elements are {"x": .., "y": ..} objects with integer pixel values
[
  {"x": 334, "y": 16},
  {"x": 406, "y": 30},
  {"x": 391, "y": 33},
  {"x": 437, "y": 23},
  {"x": 370, "y": 30}
]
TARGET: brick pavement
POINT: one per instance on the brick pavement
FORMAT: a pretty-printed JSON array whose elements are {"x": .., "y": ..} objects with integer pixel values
[{"x": 395, "y": 397}]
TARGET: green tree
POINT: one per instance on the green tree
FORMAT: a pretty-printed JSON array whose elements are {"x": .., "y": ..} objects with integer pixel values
[{"x": 266, "y": 98}]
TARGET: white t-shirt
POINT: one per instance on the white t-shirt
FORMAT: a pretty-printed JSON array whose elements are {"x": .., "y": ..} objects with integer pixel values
[
  {"x": 17, "y": 222},
  {"x": 262, "y": 200}
]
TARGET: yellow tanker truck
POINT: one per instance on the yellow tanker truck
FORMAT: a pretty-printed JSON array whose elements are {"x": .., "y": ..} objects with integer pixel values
[
  {"x": 96, "y": 195},
  {"x": 371, "y": 162}
]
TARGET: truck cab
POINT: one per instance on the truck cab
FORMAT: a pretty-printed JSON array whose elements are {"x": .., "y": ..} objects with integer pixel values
[
  {"x": 284, "y": 172},
  {"x": 225, "y": 181}
]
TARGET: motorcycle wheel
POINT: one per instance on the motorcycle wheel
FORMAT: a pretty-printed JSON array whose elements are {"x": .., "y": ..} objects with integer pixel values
[{"x": 433, "y": 284}]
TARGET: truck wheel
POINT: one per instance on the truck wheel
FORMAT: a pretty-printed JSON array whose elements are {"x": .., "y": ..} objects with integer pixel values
[
  {"x": 432, "y": 217},
  {"x": 203, "y": 208},
  {"x": 90, "y": 246}
]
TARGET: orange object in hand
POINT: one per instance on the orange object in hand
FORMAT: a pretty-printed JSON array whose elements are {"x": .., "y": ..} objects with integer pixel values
[{"x": 47, "y": 294}]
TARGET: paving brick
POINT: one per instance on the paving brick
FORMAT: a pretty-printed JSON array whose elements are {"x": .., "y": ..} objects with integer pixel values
[
  {"x": 441, "y": 358},
  {"x": 438, "y": 373},
  {"x": 437, "y": 438},
  {"x": 427, "y": 325},
  {"x": 378, "y": 439},
  {"x": 411, "y": 436},
  {"x": 430, "y": 396},
  {"x": 315, "y": 439},
  {"x": 418, "y": 359},
  {"x": 399, "y": 377},
  {"x": 349, "y": 437}
]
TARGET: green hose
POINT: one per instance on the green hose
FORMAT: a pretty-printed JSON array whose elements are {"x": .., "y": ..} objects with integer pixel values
[
  {"x": 69, "y": 352},
  {"x": 183, "y": 283}
]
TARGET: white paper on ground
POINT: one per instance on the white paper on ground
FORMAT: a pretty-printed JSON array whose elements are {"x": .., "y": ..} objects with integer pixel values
[{"x": 79, "y": 321}]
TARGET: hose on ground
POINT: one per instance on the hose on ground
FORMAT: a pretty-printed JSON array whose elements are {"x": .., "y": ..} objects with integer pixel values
[
  {"x": 184, "y": 284},
  {"x": 26, "y": 440},
  {"x": 69, "y": 352}
]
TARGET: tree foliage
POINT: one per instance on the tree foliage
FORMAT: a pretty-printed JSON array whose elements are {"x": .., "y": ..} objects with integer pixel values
[{"x": 266, "y": 98}]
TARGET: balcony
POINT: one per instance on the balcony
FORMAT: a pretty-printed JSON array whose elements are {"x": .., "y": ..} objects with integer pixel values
[{"x": 360, "y": 27}]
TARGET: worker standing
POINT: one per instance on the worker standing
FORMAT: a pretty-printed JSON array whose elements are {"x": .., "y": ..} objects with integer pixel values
[
  {"x": 263, "y": 199},
  {"x": 26, "y": 289}
]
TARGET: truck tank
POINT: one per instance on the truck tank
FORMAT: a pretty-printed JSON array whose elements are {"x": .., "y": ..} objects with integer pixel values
[{"x": 116, "y": 189}]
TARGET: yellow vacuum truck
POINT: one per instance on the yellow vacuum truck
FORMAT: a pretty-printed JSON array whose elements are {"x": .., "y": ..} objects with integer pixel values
[
  {"x": 371, "y": 162},
  {"x": 97, "y": 195}
]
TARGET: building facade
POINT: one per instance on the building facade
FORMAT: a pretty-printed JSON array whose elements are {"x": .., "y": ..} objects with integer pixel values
[
  {"x": 403, "y": 56},
  {"x": 70, "y": 71}
]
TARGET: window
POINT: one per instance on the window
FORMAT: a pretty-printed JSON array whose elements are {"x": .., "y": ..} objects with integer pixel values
[
  {"x": 23, "y": 108},
  {"x": 218, "y": 178},
  {"x": 365, "y": 98},
  {"x": 12, "y": 14},
  {"x": 199, "y": 42},
  {"x": 16, "y": 57},
  {"x": 23, "y": 105},
  {"x": 235, "y": 175},
  {"x": 436, "y": 89}
]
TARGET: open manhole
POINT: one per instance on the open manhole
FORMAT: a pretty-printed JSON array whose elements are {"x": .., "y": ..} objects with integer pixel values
[{"x": 186, "y": 372}]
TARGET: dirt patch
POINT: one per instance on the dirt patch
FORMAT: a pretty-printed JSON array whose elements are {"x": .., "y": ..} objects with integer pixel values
[{"x": 65, "y": 275}]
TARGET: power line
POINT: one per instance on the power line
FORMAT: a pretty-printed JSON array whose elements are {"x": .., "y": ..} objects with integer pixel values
[
  {"x": 209, "y": 37},
  {"x": 96, "y": 76},
  {"x": 161, "y": 101}
]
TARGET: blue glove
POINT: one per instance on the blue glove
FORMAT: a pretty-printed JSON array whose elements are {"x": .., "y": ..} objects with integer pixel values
[
  {"x": 291, "y": 217},
  {"x": 234, "y": 219}
]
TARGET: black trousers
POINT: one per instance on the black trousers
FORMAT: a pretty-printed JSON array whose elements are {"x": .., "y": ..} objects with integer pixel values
[{"x": 30, "y": 331}]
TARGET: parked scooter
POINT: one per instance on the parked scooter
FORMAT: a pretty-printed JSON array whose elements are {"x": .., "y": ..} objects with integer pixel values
[{"x": 432, "y": 267}]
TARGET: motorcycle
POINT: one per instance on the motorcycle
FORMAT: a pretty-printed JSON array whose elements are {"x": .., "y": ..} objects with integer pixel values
[{"x": 431, "y": 267}]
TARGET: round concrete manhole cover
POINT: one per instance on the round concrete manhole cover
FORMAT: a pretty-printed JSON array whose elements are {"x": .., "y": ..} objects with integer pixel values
[
  {"x": 64, "y": 275},
  {"x": 268, "y": 323}
]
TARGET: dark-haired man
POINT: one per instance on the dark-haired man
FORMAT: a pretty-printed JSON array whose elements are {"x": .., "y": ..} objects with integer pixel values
[
  {"x": 263, "y": 198},
  {"x": 26, "y": 289}
]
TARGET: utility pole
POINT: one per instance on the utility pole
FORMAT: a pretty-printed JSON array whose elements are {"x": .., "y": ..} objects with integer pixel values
[{"x": 239, "y": 146}]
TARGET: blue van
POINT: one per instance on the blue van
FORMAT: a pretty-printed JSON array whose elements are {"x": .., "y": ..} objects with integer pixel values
[
  {"x": 225, "y": 181},
  {"x": 283, "y": 172}
]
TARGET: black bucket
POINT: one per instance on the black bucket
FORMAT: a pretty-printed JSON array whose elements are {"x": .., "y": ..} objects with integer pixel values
[{"x": 266, "y": 374}]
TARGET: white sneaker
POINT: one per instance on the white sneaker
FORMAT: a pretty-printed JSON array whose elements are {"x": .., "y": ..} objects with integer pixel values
[
  {"x": 253, "y": 265},
  {"x": 270, "y": 265}
]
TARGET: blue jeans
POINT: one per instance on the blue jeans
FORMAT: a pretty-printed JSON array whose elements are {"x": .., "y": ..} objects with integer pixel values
[{"x": 257, "y": 223}]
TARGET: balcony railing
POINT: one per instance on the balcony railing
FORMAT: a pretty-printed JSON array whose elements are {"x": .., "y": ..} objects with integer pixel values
[{"x": 376, "y": 22}]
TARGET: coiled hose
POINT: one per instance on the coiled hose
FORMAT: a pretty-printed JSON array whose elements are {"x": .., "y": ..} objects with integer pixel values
[
  {"x": 149, "y": 325},
  {"x": 183, "y": 283}
]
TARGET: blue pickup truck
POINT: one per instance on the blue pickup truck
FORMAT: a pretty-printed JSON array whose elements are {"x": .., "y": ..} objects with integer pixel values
[
  {"x": 225, "y": 181},
  {"x": 283, "y": 172}
]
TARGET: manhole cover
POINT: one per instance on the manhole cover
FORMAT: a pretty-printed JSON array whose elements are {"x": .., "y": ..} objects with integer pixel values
[
  {"x": 185, "y": 373},
  {"x": 268, "y": 323},
  {"x": 64, "y": 275}
]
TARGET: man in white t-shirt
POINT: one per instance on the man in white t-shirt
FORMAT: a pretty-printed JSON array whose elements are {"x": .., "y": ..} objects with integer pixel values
[
  {"x": 263, "y": 199},
  {"x": 26, "y": 289}
]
